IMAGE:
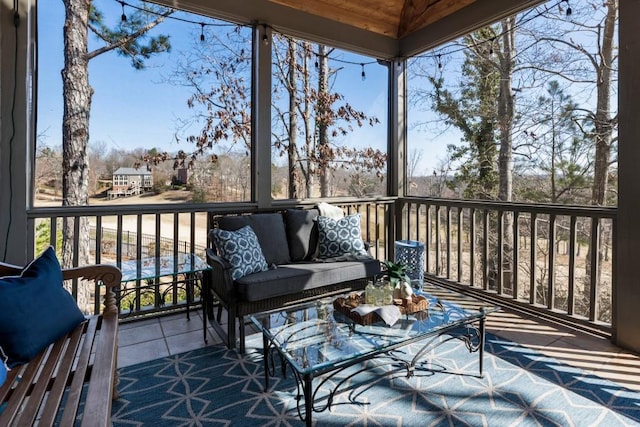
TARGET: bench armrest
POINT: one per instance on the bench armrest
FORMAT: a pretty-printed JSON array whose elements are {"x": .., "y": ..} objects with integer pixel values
[{"x": 108, "y": 274}]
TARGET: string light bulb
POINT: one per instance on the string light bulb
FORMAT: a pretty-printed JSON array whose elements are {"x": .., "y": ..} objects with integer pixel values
[
  {"x": 265, "y": 37},
  {"x": 202, "y": 31},
  {"x": 439, "y": 62},
  {"x": 363, "y": 74},
  {"x": 316, "y": 64},
  {"x": 568, "y": 12},
  {"x": 123, "y": 17}
]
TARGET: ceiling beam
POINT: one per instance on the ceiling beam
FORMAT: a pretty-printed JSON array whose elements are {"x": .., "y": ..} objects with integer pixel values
[
  {"x": 417, "y": 14},
  {"x": 477, "y": 15}
]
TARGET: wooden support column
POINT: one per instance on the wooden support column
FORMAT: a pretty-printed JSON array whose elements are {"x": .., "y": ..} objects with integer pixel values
[
  {"x": 16, "y": 129},
  {"x": 626, "y": 296},
  {"x": 396, "y": 148},
  {"x": 261, "y": 117}
]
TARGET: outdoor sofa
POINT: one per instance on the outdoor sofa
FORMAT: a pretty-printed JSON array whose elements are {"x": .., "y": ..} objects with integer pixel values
[{"x": 307, "y": 256}]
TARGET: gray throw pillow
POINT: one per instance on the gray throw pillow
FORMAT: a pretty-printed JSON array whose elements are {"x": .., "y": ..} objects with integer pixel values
[
  {"x": 302, "y": 233},
  {"x": 269, "y": 228}
]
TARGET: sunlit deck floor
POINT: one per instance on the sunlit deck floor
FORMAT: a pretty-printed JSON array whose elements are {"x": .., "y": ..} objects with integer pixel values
[{"x": 159, "y": 337}]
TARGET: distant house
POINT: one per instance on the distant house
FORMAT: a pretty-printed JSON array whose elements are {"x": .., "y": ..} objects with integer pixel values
[{"x": 130, "y": 181}]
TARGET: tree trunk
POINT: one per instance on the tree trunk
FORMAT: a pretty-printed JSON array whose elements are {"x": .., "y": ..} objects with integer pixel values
[
  {"x": 292, "y": 149},
  {"x": 323, "y": 135},
  {"x": 505, "y": 157},
  {"x": 603, "y": 123},
  {"x": 506, "y": 111},
  {"x": 308, "y": 177},
  {"x": 75, "y": 136}
]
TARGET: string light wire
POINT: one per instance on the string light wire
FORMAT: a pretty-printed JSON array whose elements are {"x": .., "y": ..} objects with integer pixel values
[{"x": 437, "y": 55}]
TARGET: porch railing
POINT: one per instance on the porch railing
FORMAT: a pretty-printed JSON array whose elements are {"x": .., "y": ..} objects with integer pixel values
[
  {"x": 121, "y": 233},
  {"x": 558, "y": 261}
]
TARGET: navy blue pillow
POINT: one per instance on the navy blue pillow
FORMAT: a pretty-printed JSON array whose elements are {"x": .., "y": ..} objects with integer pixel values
[{"x": 35, "y": 310}]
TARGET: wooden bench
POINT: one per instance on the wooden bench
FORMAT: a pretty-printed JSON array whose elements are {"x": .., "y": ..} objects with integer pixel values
[{"x": 48, "y": 389}]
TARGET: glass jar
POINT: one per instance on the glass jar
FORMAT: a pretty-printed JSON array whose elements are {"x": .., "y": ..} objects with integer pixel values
[
  {"x": 379, "y": 295},
  {"x": 388, "y": 293},
  {"x": 369, "y": 293}
]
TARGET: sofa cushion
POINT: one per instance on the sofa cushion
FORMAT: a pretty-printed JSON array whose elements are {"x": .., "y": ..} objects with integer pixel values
[
  {"x": 269, "y": 227},
  {"x": 241, "y": 249},
  {"x": 302, "y": 233},
  {"x": 35, "y": 309},
  {"x": 292, "y": 278},
  {"x": 340, "y": 237}
]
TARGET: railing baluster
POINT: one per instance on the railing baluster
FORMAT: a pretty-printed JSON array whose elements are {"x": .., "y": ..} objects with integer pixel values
[
  {"x": 119, "y": 239},
  {"x": 500, "y": 252},
  {"x": 571, "y": 298},
  {"x": 53, "y": 237},
  {"x": 472, "y": 246},
  {"x": 551, "y": 276},
  {"x": 97, "y": 303},
  {"x": 408, "y": 221},
  {"x": 377, "y": 231},
  {"x": 176, "y": 250},
  {"x": 427, "y": 243},
  {"x": 516, "y": 254},
  {"x": 448, "y": 241},
  {"x": 594, "y": 270},
  {"x": 534, "y": 263},
  {"x": 459, "y": 225},
  {"x": 192, "y": 234},
  {"x": 138, "y": 256},
  {"x": 485, "y": 249},
  {"x": 437, "y": 237},
  {"x": 418, "y": 222},
  {"x": 368, "y": 220}
]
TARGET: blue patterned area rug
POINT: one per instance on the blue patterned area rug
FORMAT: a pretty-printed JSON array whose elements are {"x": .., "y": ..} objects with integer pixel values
[{"x": 217, "y": 387}]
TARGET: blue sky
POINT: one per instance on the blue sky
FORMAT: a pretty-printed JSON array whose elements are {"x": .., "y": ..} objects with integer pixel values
[
  {"x": 138, "y": 108},
  {"x": 130, "y": 108}
]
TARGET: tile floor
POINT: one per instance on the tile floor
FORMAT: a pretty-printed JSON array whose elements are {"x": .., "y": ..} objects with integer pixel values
[{"x": 141, "y": 341}]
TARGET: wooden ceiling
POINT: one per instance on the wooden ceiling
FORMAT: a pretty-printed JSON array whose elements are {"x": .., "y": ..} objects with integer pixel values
[
  {"x": 391, "y": 18},
  {"x": 383, "y": 29}
]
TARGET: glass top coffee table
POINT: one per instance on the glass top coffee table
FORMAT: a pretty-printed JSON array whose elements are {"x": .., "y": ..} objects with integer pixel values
[{"x": 314, "y": 339}]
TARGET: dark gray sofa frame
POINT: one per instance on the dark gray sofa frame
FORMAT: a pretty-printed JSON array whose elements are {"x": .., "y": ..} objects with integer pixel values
[{"x": 220, "y": 288}]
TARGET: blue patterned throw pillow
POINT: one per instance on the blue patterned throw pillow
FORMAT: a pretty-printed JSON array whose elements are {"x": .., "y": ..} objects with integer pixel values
[
  {"x": 241, "y": 249},
  {"x": 340, "y": 237}
]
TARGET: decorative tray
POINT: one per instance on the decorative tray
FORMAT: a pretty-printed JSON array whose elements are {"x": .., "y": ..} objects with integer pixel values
[{"x": 345, "y": 306}]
